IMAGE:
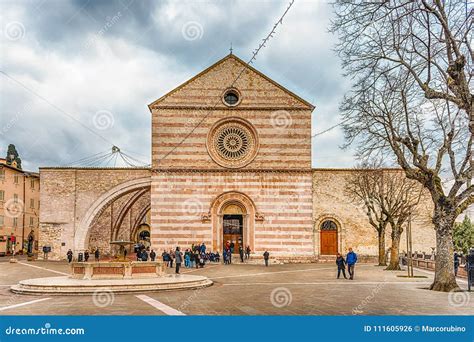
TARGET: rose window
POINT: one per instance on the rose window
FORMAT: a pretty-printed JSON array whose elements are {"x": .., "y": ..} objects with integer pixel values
[{"x": 232, "y": 143}]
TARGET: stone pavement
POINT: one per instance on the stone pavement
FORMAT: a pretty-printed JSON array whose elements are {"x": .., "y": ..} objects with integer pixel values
[{"x": 297, "y": 289}]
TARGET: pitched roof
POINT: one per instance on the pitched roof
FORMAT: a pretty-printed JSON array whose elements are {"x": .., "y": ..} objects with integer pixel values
[{"x": 310, "y": 106}]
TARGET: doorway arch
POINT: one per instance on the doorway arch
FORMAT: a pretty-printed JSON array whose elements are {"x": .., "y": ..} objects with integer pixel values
[
  {"x": 328, "y": 237},
  {"x": 226, "y": 204}
]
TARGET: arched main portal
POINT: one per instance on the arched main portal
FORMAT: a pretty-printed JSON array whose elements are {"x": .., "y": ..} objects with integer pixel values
[
  {"x": 328, "y": 239},
  {"x": 233, "y": 218},
  {"x": 81, "y": 235}
]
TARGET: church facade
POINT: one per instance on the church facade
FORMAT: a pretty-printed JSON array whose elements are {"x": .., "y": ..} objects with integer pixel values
[{"x": 231, "y": 162}]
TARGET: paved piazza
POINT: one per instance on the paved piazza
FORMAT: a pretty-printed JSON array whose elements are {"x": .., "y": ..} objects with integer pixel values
[{"x": 296, "y": 289}]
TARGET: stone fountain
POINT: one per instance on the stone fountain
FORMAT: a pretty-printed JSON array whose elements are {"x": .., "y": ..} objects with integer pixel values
[{"x": 118, "y": 275}]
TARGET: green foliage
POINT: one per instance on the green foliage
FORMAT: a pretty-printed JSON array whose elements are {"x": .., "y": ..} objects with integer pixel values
[{"x": 463, "y": 235}]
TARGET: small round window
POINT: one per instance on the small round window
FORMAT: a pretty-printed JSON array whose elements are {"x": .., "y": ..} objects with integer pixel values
[{"x": 231, "y": 97}]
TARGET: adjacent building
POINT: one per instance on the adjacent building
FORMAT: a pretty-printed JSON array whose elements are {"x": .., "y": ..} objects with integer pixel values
[{"x": 19, "y": 207}]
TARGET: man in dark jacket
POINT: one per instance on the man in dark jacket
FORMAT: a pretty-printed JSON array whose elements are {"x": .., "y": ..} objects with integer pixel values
[
  {"x": 266, "y": 256},
  {"x": 341, "y": 265},
  {"x": 152, "y": 255},
  {"x": 178, "y": 259},
  {"x": 241, "y": 252},
  {"x": 86, "y": 256},
  {"x": 97, "y": 255},
  {"x": 69, "y": 256},
  {"x": 351, "y": 260}
]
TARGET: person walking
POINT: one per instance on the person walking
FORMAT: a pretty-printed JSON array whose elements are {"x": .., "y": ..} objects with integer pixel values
[
  {"x": 187, "y": 259},
  {"x": 178, "y": 259},
  {"x": 152, "y": 255},
  {"x": 456, "y": 263},
  {"x": 97, "y": 255},
  {"x": 341, "y": 265},
  {"x": 171, "y": 254},
  {"x": 241, "y": 252},
  {"x": 351, "y": 260},
  {"x": 247, "y": 252},
  {"x": 266, "y": 256},
  {"x": 69, "y": 256},
  {"x": 86, "y": 255}
]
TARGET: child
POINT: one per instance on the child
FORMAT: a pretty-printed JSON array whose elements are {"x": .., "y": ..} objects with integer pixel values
[{"x": 341, "y": 265}]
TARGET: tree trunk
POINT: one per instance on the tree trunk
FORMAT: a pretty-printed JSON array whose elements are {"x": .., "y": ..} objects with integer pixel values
[
  {"x": 394, "y": 264},
  {"x": 444, "y": 279},
  {"x": 381, "y": 237}
]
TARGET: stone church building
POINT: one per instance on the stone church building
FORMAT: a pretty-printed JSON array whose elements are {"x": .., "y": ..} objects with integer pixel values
[{"x": 231, "y": 161}]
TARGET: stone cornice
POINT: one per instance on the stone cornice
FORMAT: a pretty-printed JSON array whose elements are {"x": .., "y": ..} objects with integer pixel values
[
  {"x": 239, "y": 108},
  {"x": 231, "y": 170}
]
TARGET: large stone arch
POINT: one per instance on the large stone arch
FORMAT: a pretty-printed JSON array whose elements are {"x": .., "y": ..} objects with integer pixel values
[
  {"x": 81, "y": 235},
  {"x": 216, "y": 213}
]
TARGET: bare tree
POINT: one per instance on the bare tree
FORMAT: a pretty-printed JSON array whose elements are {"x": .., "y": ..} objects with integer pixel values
[
  {"x": 390, "y": 198},
  {"x": 366, "y": 187},
  {"x": 412, "y": 99}
]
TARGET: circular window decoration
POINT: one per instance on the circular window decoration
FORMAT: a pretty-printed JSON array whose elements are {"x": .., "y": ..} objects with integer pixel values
[
  {"x": 232, "y": 142},
  {"x": 231, "y": 97}
]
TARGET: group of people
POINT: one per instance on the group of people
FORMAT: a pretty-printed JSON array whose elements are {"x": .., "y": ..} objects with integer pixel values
[
  {"x": 70, "y": 255},
  {"x": 143, "y": 255},
  {"x": 350, "y": 261},
  {"x": 196, "y": 256}
]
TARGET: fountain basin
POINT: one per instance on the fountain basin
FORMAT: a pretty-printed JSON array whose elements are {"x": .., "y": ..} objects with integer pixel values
[{"x": 117, "y": 270}]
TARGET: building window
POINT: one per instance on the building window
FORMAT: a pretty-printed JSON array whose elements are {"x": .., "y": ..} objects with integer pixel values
[
  {"x": 32, "y": 183},
  {"x": 2, "y": 195},
  {"x": 15, "y": 179},
  {"x": 328, "y": 225},
  {"x": 2, "y": 221},
  {"x": 231, "y": 97},
  {"x": 32, "y": 203},
  {"x": 32, "y": 220},
  {"x": 15, "y": 198},
  {"x": 15, "y": 221},
  {"x": 2, "y": 173}
]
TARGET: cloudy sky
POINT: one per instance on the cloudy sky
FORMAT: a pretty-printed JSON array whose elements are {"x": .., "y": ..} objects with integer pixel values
[{"x": 109, "y": 59}]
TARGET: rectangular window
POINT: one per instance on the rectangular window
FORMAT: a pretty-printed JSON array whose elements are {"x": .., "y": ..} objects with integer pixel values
[
  {"x": 32, "y": 183},
  {"x": 15, "y": 179},
  {"x": 2, "y": 173},
  {"x": 15, "y": 221},
  {"x": 2, "y": 221},
  {"x": 31, "y": 221},
  {"x": 2, "y": 195},
  {"x": 32, "y": 203},
  {"x": 15, "y": 198}
]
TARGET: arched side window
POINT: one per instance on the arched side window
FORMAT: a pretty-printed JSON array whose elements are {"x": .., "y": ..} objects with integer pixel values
[{"x": 328, "y": 225}]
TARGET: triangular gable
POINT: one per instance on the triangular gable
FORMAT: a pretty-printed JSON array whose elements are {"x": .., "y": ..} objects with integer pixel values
[{"x": 231, "y": 57}]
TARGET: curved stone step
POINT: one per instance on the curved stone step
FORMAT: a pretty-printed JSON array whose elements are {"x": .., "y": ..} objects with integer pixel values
[{"x": 69, "y": 286}]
